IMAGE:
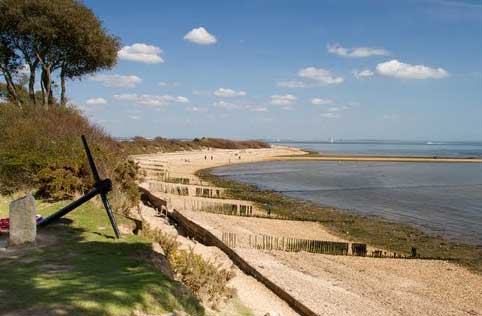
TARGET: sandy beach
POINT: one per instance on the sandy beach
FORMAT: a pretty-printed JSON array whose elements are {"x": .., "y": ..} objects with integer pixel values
[{"x": 327, "y": 284}]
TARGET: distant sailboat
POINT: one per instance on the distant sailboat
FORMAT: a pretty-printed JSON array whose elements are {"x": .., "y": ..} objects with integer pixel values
[{"x": 332, "y": 140}]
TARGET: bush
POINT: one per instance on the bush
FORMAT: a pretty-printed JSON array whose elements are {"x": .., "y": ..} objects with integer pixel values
[
  {"x": 141, "y": 145},
  {"x": 41, "y": 149},
  {"x": 208, "y": 280}
]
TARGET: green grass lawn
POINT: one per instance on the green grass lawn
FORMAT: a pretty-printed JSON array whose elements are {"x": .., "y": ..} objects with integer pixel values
[{"x": 80, "y": 269}]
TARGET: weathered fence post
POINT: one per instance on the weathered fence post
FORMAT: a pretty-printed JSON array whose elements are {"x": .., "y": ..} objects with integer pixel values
[
  {"x": 23, "y": 226},
  {"x": 414, "y": 252}
]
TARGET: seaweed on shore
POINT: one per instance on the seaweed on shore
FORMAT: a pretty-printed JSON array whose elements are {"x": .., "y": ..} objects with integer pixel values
[{"x": 376, "y": 231}]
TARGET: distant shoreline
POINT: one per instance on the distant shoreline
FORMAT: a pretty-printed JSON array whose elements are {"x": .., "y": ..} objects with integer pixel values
[{"x": 362, "y": 158}]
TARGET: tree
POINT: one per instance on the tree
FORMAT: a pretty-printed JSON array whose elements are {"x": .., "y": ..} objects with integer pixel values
[
  {"x": 87, "y": 47},
  {"x": 53, "y": 35},
  {"x": 9, "y": 63}
]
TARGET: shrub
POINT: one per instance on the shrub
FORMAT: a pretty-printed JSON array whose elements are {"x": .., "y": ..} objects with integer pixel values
[
  {"x": 41, "y": 149},
  {"x": 207, "y": 279},
  {"x": 140, "y": 145}
]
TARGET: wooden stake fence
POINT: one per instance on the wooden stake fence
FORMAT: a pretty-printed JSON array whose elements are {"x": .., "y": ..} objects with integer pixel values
[{"x": 268, "y": 243}]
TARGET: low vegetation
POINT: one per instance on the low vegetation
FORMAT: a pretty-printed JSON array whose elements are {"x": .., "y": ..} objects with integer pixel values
[
  {"x": 207, "y": 279},
  {"x": 41, "y": 152},
  {"x": 141, "y": 145},
  {"x": 41, "y": 149},
  {"x": 375, "y": 231},
  {"x": 80, "y": 269}
]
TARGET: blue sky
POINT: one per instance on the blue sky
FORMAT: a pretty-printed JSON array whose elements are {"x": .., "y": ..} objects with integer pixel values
[{"x": 290, "y": 69}]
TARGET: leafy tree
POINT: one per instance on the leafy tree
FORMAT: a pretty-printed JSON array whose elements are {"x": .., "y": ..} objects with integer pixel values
[
  {"x": 87, "y": 47},
  {"x": 9, "y": 63},
  {"x": 53, "y": 35}
]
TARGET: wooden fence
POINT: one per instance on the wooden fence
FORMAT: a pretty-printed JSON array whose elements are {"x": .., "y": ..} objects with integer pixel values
[
  {"x": 228, "y": 209},
  {"x": 265, "y": 242},
  {"x": 268, "y": 243}
]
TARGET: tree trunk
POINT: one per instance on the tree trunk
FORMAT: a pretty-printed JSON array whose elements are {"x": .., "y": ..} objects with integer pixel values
[
  {"x": 42, "y": 87},
  {"x": 47, "y": 84},
  {"x": 31, "y": 82},
  {"x": 12, "y": 90},
  {"x": 63, "y": 99}
]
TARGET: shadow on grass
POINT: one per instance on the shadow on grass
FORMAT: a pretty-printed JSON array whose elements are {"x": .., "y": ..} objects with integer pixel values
[{"x": 85, "y": 273}]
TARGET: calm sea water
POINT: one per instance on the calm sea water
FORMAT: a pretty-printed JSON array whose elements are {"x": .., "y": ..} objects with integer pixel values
[
  {"x": 448, "y": 149},
  {"x": 442, "y": 199}
]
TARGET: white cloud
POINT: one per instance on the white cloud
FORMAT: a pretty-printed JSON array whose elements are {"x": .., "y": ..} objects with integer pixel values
[
  {"x": 134, "y": 117},
  {"x": 150, "y": 100},
  {"x": 284, "y": 100},
  {"x": 227, "y": 93},
  {"x": 169, "y": 84},
  {"x": 356, "y": 52},
  {"x": 319, "y": 101},
  {"x": 200, "y": 36},
  {"x": 117, "y": 81},
  {"x": 259, "y": 109},
  {"x": 125, "y": 97},
  {"x": 142, "y": 53},
  {"x": 197, "y": 109},
  {"x": 396, "y": 69},
  {"x": 320, "y": 75},
  {"x": 227, "y": 106},
  {"x": 363, "y": 74},
  {"x": 389, "y": 116},
  {"x": 336, "y": 109},
  {"x": 333, "y": 112},
  {"x": 96, "y": 101},
  {"x": 292, "y": 84},
  {"x": 330, "y": 115},
  {"x": 182, "y": 99}
]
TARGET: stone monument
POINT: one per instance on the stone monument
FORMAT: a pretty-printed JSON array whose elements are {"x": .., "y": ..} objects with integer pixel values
[{"x": 23, "y": 226}]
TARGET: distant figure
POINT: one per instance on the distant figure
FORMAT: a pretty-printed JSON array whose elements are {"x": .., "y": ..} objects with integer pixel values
[
  {"x": 239, "y": 157},
  {"x": 211, "y": 157},
  {"x": 205, "y": 157}
]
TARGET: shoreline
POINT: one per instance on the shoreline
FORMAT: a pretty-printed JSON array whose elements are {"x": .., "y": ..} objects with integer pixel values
[
  {"x": 452, "y": 236},
  {"x": 363, "y": 158},
  {"x": 206, "y": 175},
  {"x": 338, "y": 224},
  {"x": 373, "y": 230},
  {"x": 414, "y": 284}
]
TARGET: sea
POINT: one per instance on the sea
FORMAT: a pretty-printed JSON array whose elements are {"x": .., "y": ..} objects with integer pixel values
[{"x": 442, "y": 199}]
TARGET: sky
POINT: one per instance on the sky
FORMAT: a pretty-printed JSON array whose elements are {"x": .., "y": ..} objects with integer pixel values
[{"x": 285, "y": 69}]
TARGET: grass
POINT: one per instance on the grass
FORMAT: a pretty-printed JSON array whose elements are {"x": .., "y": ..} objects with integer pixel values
[
  {"x": 376, "y": 231},
  {"x": 85, "y": 271}
]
